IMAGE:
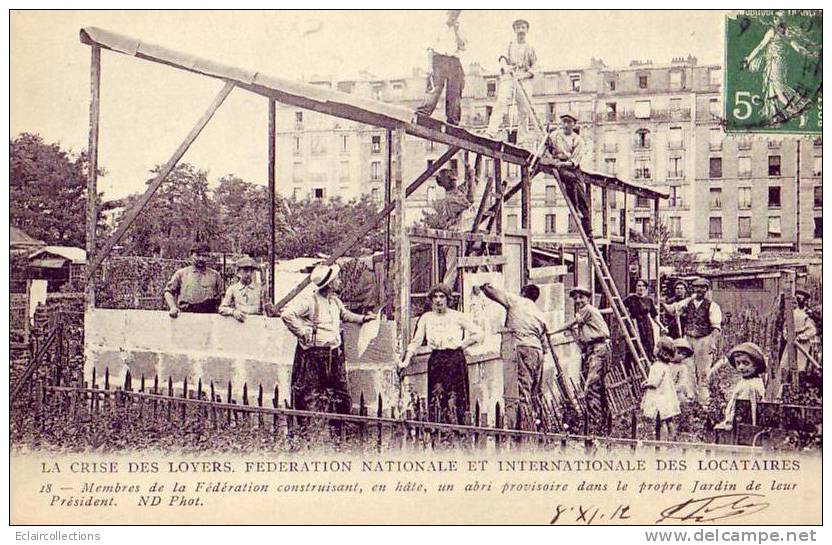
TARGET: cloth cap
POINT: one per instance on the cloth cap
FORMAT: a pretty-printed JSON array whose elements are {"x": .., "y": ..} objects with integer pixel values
[
  {"x": 246, "y": 263},
  {"x": 581, "y": 290},
  {"x": 680, "y": 283},
  {"x": 701, "y": 282},
  {"x": 683, "y": 345},
  {"x": 569, "y": 116},
  {"x": 804, "y": 293},
  {"x": 751, "y": 350},
  {"x": 322, "y": 275}
]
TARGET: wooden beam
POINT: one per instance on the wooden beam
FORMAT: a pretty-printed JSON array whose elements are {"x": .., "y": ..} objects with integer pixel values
[
  {"x": 371, "y": 223},
  {"x": 481, "y": 261},
  {"x": 92, "y": 170},
  {"x": 499, "y": 197},
  {"x": 525, "y": 198},
  {"x": 401, "y": 276},
  {"x": 154, "y": 185},
  {"x": 272, "y": 193}
]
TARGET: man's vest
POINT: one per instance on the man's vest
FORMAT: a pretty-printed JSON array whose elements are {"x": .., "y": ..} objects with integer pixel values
[{"x": 697, "y": 321}]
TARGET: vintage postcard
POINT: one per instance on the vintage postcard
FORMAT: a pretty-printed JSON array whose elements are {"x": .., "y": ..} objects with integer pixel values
[{"x": 416, "y": 267}]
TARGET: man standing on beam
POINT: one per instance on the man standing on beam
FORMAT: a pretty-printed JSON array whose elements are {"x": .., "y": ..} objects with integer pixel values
[{"x": 443, "y": 55}]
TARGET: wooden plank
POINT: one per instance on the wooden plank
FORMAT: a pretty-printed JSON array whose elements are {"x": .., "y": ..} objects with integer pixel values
[
  {"x": 481, "y": 261},
  {"x": 154, "y": 185},
  {"x": 272, "y": 194},
  {"x": 401, "y": 278},
  {"x": 370, "y": 224},
  {"x": 553, "y": 270},
  {"x": 92, "y": 168},
  {"x": 525, "y": 198}
]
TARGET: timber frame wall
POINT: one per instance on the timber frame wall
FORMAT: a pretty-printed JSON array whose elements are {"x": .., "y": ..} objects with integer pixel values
[{"x": 397, "y": 120}]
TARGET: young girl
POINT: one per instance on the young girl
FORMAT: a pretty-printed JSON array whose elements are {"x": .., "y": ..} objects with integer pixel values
[
  {"x": 659, "y": 399},
  {"x": 681, "y": 371},
  {"x": 750, "y": 363}
]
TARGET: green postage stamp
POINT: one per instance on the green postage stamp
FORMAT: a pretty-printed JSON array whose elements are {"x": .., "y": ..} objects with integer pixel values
[{"x": 774, "y": 71}]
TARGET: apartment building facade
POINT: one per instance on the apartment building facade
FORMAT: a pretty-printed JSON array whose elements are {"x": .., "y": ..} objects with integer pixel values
[{"x": 657, "y": 125}]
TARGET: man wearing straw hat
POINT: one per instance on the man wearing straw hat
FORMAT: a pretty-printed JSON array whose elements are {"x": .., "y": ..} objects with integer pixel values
[
  {"x": 516, "y": 63},
  {"x": 592, "y": 335},
  {"x": 702, "y": 322},
  {"x": 319, "y": 374}
]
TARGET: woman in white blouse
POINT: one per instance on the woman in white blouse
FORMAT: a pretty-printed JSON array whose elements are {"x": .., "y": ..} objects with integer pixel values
[{"x": 448, "y": 333}]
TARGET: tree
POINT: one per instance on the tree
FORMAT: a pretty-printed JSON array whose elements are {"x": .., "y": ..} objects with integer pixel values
[
  {"x": 244, "y": 216},
  {"x": 180, "y": 214},
  {"x": 47, "y": 191}
]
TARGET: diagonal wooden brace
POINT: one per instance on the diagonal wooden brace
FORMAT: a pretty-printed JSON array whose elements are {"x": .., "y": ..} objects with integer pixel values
[
  {"x": 371, "y": 223},
  {"x": 154, "y": 185}
]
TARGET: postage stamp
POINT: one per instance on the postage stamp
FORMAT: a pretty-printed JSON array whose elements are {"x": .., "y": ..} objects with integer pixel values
[{"x": 774, "y": 71}]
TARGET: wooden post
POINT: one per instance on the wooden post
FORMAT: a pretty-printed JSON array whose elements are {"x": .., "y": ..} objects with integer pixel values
[
  {"x": 498, "y": 196},
  {"x": 388, "y": 188},
  {"x": 401, "y": 267},
  {"x": 272, "y": 195},
  {"x": 605, "y": 204},
  {"x": 525, "y": 198},
  {"x": 658, "y": 244},
  {"x": 92, "y": 169}
]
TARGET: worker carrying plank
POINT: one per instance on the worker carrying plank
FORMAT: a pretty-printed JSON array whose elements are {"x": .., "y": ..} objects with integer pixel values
[{"x": 516, "y": 64}]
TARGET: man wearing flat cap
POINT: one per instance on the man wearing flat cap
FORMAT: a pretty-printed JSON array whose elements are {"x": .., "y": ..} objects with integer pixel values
[
  {"x": 592, "y": 334},
  {"x": 319, "y": 374},
  {"x": 195, "y": 288},
  {"x": 243, "y": 298},
  {"x": 516, "y": 63},
  {"x": 702, "y": 322},
  {"x": 568, "y": 149}
]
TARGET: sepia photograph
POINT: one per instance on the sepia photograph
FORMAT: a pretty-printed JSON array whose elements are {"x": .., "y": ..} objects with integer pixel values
[{"x": 416, "y": 267}]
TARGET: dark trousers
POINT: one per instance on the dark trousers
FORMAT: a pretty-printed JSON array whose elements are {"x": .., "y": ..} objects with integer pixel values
[
  {"x": 447, "y": 71},
  {"x": 447, "y": 386},
  {"x": 319, "y": 380},
  {"x": 211, "y": 306},
  {"x": 530, "y": 385},
  {"x": 595, "y": 360}
]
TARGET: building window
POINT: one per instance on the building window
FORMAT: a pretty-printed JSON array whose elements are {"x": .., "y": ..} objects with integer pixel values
[
  {"x": 774, "y": 165},
  {"x": 345, "y": 143},
  {"x": 346, "y": 86},
  {"x": 744, "y": 227},
  {"x": 344, "y": 172},
  {"x": 675, "y": 79},
  {"x": 818, "y": 227},
  {"x": 375, "y": 146},
  {"x": 296, "y": 193},
  {"x": 297, "y": 172},
  {"x": 714, "y": 109},
  {"x": 643, "y": 171},
  {"x": 675, "y": 227},
  {"x": 398, "y": 90},
  {"x": 774, "y": 227},
  {"x": 715, "y": 167},
  {"x": 744, "y": 198},
  {"x": 612, "y": 111},
  {"x": 715, "y": 76},
  {"x": 643, "y": 226},
  {"x": 675, "y": 138},
  {"x": 610, "y": 140},
  {"x": 744, "y": 167},
  {"x": 575, "y": 83},
  {"x": 375, "y": 170},
  {"x": 298, "y": 120},
  {"x": 642, "y": 81},
  {"x": 774, "y": 196},
  {"x": 674, "y": 199},
  {"x": 378, "y": 92},
  {"x": 715, "y": 228},
  {"x": 642, "y": 202},
  {"x": 318, "y": 145},
  {"x": 715, "y": 139},
  {"x": 551, "y": 195},
  {"x": 511, "y": 222},
  {"x": 675, "y": 104},
  {"x": 610, "y": 166},
  {"x": 643, "y": 139},
  {"x": 298, "y": 145},
  {"x": 550, "y": 223},
  {"x": 817, "y": 165},
  {"x": 611, "y": 84},
  {"x": 642, "y": 109},
  {"x": 675, "y": 167},
  {"x": 430, "y": 194},
  {"x": 491, "y": 88},
  {"x": 818, "y": 196},
  {"x": 374, "y": 194},
  {"x": 319, "y": 192},
  {"x": 571, "y": 226},
  {"x": 744, "y": 143},
  {"x": 716, "y": 198}
]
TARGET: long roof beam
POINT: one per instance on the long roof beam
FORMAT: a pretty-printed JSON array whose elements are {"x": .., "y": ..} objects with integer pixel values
[{"x": 343, "y": 105}]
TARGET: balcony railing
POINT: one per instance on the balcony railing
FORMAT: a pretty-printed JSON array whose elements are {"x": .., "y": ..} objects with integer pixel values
[
  {"x": 744, "y": 145},
  {"x": 715, "y": 146},
  {"x": 641, "y": 146},
  {"x": 609, "y": 147},
  {"x": 774, "y": 144},
  {"x": 675, "y": 175},
  {"x": 706, "y": 116},
  {"x": 674, "y": 144}
]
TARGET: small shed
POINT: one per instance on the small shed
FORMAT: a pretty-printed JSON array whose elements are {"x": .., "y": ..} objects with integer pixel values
[{"x": 58, "y": 265}]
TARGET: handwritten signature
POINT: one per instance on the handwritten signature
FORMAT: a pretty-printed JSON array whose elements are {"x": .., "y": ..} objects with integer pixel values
[{"x": 713, "y": 508}]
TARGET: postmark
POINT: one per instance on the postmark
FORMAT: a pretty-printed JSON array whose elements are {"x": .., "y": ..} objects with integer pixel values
[{"x": 774, "y": 72}]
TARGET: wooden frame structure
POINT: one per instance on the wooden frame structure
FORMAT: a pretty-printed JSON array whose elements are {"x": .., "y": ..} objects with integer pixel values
[{"x": 397, "y": 120}]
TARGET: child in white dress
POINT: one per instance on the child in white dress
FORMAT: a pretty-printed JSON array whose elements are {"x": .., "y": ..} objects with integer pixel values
[
  {"x": 681, "y": 370},
  {"x": 750, "y": 362},
  {"x": 659, "y": 399}
]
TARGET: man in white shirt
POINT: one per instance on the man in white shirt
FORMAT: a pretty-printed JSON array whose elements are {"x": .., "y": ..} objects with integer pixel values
[
  {"x": 804, "y": 327},
  {"x": 443, "y": 55},
  {"x": 319, "y": 374},
  {"x": 516, "y": 64},
  {"x": 568, "y": 149},
  {"x": 702, "y": 319}
]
